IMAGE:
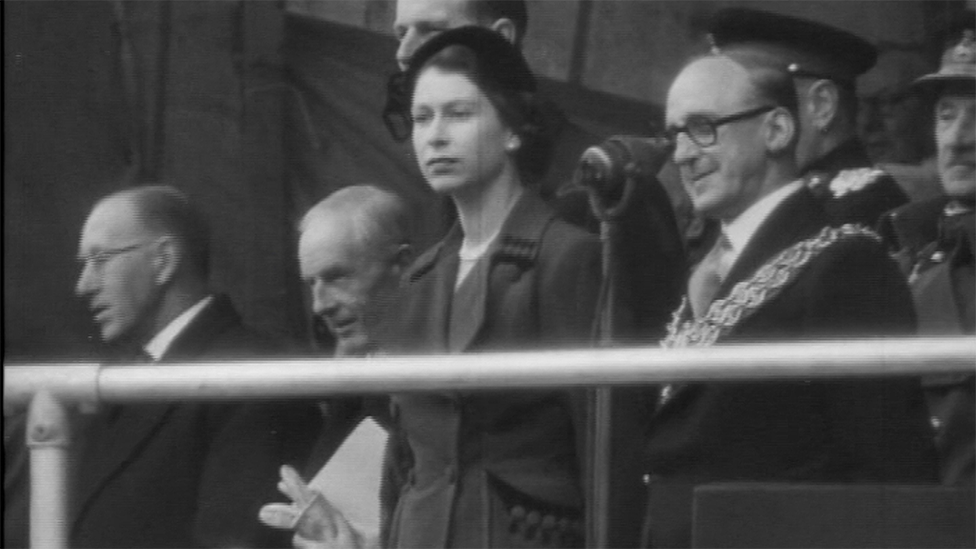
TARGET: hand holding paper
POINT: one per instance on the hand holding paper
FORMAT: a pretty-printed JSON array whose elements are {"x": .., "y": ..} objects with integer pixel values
[{"x": 317, "y": 524}]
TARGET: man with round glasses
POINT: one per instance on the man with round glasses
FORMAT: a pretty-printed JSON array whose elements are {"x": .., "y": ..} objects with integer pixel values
[
  {"x": 167, "y": 474},
  {"x": 777, "y": 272}
]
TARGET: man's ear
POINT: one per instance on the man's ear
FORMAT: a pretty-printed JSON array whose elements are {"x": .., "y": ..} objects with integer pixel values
[
  {"x": 505, "y": 27},
  {"x": 166, "y": 260},
  {"x": 780, "y": 130},
  {"x": 822, "y": 104},
  {"x": 402, "y": 258}
]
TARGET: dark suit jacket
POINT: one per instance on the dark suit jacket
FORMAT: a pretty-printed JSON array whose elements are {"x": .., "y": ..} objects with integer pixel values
[
  {"x": 476, "y": 457},
  {"x": 189, "y": 474},
  {"x": 848, "y": 430},
  {"x": 864, "y": 206}
]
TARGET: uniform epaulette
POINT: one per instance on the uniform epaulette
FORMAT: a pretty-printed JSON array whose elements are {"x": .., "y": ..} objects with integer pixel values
[{"x": 850, "y": 181}]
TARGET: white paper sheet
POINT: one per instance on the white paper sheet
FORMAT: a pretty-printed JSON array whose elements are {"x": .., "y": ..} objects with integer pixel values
[{"x": 350, "y": 480}]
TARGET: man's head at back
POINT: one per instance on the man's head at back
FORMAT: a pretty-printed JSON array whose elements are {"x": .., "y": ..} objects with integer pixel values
[
  {"x": 353, "y": 247},
  {"x": 889, "y": 114},
  {"x": 952, "y": 93},
  {"x": 420, "y": 20},
  {"x": 144, "y": 255},
  {"x": 824, "y": 62},
  {"x": 733, "y": 122}
]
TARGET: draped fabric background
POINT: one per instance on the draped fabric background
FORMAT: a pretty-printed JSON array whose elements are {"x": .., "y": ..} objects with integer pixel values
[{"x": 257, "y": 113}]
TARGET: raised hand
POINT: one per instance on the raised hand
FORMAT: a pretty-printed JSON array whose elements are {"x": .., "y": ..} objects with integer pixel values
[{"x": 316, "y": 523}]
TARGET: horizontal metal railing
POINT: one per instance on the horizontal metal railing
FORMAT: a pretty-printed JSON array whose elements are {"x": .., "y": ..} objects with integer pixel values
[
  {"x": 47, "y": 385},
  {"x": 310, "y": 377}
]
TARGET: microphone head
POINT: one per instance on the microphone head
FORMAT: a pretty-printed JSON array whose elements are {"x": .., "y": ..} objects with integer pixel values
[{"x": 607, "y": 165}]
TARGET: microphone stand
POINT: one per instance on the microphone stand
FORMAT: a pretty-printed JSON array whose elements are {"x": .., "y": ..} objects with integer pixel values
[{"x": 600, "y": 400}]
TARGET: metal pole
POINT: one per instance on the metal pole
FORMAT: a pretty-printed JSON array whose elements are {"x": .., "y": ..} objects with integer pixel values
[
  {"x": 48, "y": 437},
  {"x": 305, "y": 378},
  {"x": 600, "y": 408}
]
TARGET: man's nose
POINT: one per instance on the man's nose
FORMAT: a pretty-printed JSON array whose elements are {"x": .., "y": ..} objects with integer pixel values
[
  {"x": 684, "y": 148},
  {"x": 86, "y": 281},
  {"x": 323, "y": 301},
  {"x": 961, "y": 134}
]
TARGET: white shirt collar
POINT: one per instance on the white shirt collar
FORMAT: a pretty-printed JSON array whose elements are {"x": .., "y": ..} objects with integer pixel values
[
  {"x": 159, "y": 344},
  {"x": 740, "y": 230}
]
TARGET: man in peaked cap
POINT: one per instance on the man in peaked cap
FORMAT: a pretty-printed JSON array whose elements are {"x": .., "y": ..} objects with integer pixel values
[
  {"x": 935, "y": 245},
  {"x": 825, "y": 62}
]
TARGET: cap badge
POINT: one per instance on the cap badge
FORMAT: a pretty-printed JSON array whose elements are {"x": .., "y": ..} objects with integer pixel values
[{"x": 965, "y": 52}]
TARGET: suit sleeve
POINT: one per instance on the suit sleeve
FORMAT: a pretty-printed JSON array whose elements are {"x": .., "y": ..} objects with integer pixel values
[{"x": 250, "y": 442}]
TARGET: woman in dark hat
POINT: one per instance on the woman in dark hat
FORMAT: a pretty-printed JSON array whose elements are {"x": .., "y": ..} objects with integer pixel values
[
  {"x": 499, "y": 468},
  {"x": 487, "y": 468}
]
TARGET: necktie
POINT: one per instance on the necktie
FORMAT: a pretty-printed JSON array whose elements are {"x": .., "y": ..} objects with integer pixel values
[{"x": 708, "y": 276}]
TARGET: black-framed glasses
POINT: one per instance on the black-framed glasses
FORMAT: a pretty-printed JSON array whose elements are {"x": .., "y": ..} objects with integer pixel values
[
  {"x": 99, "y": 259},
  {"x": 703, "y": 130}
]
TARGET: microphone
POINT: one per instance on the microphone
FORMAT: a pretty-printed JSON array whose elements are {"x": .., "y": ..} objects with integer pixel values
[
  {"x": 605, "y": 168},
  {"x": 609, "y": 171}
]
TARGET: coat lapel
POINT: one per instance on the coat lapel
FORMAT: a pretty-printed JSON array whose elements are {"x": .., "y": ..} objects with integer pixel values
[
  {"x": 799, "y": 216},
  {"x": 114, "y": 442},
  {"x": 193, "y": 341},
  {"x": 467, "y": 310},
  {"x": 112, "y": 445},
  {"x": 431, "y": 281},
  {"x": 511, "y": 255},
  {"x": 426, "y": 301}
]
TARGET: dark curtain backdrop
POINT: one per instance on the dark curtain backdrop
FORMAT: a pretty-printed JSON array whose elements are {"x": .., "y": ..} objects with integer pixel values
[{"x": 255, "y": 113}]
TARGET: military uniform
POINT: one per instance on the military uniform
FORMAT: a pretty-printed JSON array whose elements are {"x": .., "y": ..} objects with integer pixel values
[
  {"x": 851, "y": 189},
  {"x": 935, "y": 248},
  {"x": 934, "y": 240},
  {"x": 811, "y": 50}
]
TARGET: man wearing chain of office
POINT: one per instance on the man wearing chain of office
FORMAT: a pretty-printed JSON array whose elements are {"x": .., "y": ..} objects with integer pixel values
[{"x": 778, "y": 271}]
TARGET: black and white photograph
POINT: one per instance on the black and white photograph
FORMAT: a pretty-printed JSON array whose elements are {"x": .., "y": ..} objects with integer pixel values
[{"x": 371, "y": 274}]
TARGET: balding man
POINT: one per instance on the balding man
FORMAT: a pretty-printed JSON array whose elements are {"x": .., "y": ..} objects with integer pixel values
[
  {"x": 172, "y": 474},
  {"x": 778, "y": 272},
  {"x": 353, "y": 248}
]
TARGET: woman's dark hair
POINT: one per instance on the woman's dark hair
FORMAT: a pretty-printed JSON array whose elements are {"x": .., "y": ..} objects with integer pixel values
[{"x": 501, "y": 73}]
